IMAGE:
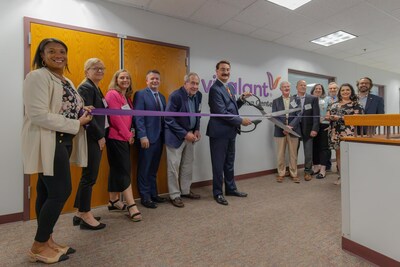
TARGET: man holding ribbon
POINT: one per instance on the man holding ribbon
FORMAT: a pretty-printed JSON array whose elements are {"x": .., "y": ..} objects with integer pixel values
[
  {"x": 222, "y": 132},
  {"x": 181, "y": 133}
]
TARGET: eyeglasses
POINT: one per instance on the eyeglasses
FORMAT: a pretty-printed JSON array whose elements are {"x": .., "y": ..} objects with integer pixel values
[{"x": 97, "y": 69}]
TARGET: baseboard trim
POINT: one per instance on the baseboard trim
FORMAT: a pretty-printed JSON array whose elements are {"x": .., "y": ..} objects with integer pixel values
[
  {"x": 15, "y": 217},
  {"x": 237, "y": 177},
  {"x": 368, "y": 254}
]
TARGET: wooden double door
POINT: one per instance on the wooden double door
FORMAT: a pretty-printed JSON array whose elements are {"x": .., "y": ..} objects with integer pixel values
[{"x": 135, "y": 55}]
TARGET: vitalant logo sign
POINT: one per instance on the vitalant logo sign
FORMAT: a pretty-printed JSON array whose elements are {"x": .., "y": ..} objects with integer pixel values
[{"x": 263, "y": 89}]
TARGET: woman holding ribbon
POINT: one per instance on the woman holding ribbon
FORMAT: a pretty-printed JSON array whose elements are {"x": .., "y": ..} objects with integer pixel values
[
  {"x": 120, "y": 137},
  {"x": 347, "y": 104},
  {"x": 92, "y": 95},
  {"x": 52, "y": 137}
]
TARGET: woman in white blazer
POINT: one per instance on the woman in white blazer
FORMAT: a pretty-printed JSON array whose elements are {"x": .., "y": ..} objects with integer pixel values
[{"x": 52, "y": 136}]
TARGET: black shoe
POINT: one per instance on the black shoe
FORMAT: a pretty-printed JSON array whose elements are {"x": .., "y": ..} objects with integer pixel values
[
  {"x": 236, "y": 193},
  {"x": 112, "y": 206},
  {"x": 149, "y": 204},
  {"x": 221, "y": 200},
  {"x": 320, "y": 176},
  {"x": 85, "y": 226},
  {"x": 158, "y": 199},
  {"x": 77, "y": 220}
]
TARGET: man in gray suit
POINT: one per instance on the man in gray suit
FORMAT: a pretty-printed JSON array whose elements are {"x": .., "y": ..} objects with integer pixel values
[
  {"x": 283, "y": 138},
  {"x": 309, "y": 125}
]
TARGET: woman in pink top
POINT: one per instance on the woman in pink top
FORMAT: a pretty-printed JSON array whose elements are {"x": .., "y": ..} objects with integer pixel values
[{"x": 120, "y": 137}]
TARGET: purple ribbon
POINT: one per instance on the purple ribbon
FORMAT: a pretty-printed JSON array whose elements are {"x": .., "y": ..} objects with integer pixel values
[{"x": 134, "y": 112}]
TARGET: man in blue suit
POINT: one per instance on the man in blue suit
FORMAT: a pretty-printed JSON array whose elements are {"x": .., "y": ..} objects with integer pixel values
[
  {"x": 150, "y": 132},
  {"x": 222, "y": 132},
  {"x": 372, "y": 104},
  {"x": 180, "y": 135}
]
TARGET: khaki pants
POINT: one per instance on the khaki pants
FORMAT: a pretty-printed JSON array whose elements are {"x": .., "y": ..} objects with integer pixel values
[{"x": 292, "y": 143}]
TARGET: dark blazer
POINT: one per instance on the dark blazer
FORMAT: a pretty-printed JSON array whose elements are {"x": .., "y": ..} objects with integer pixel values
[
  {"x": 176, "y": 128},
  {"x": 149, "y": 126},
  {"x": 310, "y": 115},
  {"x": 93, "y": 97},
  {"x": 374, "y": 105},
  {"x": 294, "y": 118},
  {"x": 221, "y": 102}
]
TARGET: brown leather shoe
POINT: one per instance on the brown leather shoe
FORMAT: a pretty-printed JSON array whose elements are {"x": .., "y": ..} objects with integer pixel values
[
  {"x": 296, "y": 179},
  {"x": 279, "y": 179},
  {"x": 307, "y": 177},
  {"x": 191, "y": 195},
  {"x": 177, "y": 202}
]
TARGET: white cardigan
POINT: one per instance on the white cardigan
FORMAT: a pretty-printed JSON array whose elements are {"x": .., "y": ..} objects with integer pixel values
[{"x": 42, "y": 96}]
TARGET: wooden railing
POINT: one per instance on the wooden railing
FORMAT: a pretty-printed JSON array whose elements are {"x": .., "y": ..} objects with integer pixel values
[{"x": 375, "y": 126}]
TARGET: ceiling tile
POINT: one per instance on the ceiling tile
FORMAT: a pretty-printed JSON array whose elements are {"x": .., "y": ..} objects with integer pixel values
[
  {"x": 176, "y": 8},
  {"x": 214, "y": 13},
  {"x": 238, "y": 27},
  {"x": 266, "y": 35},
  {"x": 239, "y": 3},
  {"x": 260, "y": 13},
  {"x": 143, "y": 4}
]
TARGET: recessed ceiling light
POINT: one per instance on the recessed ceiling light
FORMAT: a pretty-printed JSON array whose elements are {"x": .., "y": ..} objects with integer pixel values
[
  {"x": 290, "y": 4},
  {"x": 333, "y": 38}
]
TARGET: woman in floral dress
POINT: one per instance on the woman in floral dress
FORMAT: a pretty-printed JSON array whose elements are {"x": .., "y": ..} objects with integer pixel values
[{"x": 347, "y": 104}]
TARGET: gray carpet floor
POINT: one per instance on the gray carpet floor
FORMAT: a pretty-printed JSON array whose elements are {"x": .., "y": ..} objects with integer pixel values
[{"x": 283, "y": 224}]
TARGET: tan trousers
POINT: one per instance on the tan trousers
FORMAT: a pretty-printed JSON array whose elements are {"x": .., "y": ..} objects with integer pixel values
[{"x": 292, "y": 143}]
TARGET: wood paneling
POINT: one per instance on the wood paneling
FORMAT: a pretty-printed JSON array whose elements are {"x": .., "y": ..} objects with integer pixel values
[
  {"x": 81, "y": 46},
  {"x": 139, "y": 58}
]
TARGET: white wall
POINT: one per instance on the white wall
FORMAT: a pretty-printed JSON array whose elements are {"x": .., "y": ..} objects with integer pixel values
[{"x": 250, "y": 59}]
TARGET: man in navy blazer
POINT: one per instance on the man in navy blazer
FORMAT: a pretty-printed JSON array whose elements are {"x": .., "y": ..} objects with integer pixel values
[
  {"x": 309, "y": 125},
  {"x": 180, "y": 135},
  {"x": 372, "y": 104},
  {"x": 150, "y": 132},
  {"x": 222, "y": 132},
  {"x": 283, "y": 138}
]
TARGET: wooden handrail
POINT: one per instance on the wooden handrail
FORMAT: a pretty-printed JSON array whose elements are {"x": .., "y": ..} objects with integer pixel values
[{"x": 373, "y": 120}]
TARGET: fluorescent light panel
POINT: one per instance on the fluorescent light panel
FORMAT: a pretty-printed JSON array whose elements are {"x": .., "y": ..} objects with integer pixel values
[
  {"x": 333, "y": 38},
  {"x": 290, "y": 4}
]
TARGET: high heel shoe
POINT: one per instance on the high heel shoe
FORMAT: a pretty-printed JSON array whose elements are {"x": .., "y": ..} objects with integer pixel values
[
  {"x": 85, "y": 226},
  {"x": 134, "y": 215},
  {"x": 77, "y": 220},
  {"x": 57, "y": 258},
  {"x": 112, "y": 207}
]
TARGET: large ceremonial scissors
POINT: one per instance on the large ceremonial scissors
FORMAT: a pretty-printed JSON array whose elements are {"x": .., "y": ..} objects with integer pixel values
[{"x": 270, "y": 116}]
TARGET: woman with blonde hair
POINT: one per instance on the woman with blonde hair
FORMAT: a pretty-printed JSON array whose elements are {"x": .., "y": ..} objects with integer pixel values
[
  {"x": 96, "y": 131},
  {"x": 120, "y": 137}
]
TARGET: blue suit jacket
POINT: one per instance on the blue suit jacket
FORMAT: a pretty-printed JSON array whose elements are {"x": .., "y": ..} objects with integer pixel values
[
  {"x": 176, "y": 128},
  {"x": 221, "y": 102},
  {"x": 148, "y": 126},
  {"x": 374, "y": 105},
  {"x": 293, "y": 120}
]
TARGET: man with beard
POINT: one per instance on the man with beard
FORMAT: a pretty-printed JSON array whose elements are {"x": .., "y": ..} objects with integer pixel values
[
  {"x": 222, "y": 132},
  {"x": 372, "y": 104}
]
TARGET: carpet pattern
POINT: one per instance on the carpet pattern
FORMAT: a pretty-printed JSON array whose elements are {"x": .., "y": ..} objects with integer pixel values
[{"x": 278, "y": 224}]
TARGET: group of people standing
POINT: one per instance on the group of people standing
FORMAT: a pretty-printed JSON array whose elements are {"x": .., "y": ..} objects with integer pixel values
[
  {"x": 320, "y": 124},
  {"x": 59, "y": 129}
]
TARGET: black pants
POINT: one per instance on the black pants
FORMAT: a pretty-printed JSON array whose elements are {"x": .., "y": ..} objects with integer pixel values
[
  {"x": 53, "y": 191},
  {"x": 89, "y": 177},
  {"x": 321, "y": 150}
]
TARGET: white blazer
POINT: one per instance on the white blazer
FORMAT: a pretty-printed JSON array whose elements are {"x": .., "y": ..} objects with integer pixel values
[{"x": 42, "y": 97}]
